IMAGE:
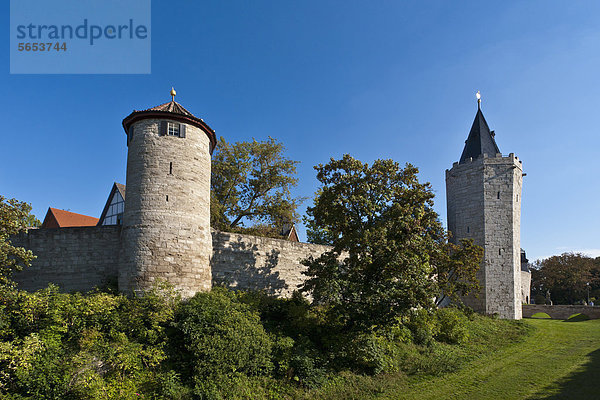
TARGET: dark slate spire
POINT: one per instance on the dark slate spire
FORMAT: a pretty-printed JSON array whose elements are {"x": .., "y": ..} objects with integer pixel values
[{"x": 480, "y": 140}]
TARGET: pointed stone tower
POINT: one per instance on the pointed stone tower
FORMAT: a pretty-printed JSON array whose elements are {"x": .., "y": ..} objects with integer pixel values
[
  {"x": 483, "y": 193},
  {"x": 166, "y": 224}
]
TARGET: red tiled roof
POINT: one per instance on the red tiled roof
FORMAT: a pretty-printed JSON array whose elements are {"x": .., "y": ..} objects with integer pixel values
[{"x": 56, "y": 218}]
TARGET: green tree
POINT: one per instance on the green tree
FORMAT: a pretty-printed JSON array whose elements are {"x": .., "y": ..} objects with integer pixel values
[
  {"x": 250, "y": 184},
  {"x": 15, "y": 217},
  {"x": 566, "y": 277},
  {"x": 456, "y": 267},
  {"x": 388, "y": 246}
]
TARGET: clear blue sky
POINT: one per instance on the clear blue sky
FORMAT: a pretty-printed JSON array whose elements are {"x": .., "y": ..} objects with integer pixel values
[{"x": 384, "y": 79}]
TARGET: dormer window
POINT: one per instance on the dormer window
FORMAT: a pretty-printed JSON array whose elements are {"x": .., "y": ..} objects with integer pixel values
[{"x": 173, "y": 129}]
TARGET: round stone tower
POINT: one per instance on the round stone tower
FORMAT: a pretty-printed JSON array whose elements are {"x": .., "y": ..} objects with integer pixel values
[{"x": 166, "y": 224}]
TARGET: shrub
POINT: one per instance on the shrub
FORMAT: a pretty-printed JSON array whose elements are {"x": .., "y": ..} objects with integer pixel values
[
  {"x": 373, "y": 354},
  {"x": 541, "y": 315},
  {"x": 423, "y": 326},
  {"x": 452, "y": 326},
  {"x": 307, "y": 365},
  {"x": 223, "y": 336},
  {"x": 283, "y": 348},
  {"x": 577, "y": 318}
]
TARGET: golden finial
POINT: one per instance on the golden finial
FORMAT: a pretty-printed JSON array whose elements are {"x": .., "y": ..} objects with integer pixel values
[
  {"x": 478, "y": 95},
  {"x": 173, "y": 94}
]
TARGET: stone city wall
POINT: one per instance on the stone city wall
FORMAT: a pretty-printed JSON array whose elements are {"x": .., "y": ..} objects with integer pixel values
[
  {"x": 75, "y": 259},
  {"x": 560, "y": 311},
  {"x": 79, "y": 259},
  {"x": 251, "y": 262}
]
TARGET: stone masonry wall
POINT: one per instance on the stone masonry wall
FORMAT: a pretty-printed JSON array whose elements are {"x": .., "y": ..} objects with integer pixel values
[
  {"x": 166, "y": 225},
  {"x": 502, "y": 192},
  {"x": 79, "y": 259},
  {"x": 464, "y": 198},
  {"x": 75, "y": 259},
  {"x": 251, "y": 262},
  {"x": 561, "y": 311},
  {"x": 483, "y": 200}
]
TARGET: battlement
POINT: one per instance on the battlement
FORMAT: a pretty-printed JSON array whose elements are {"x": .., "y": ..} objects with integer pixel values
[
  {"x": 471, "y": 164},
  {"x": 490, "y": 159}
]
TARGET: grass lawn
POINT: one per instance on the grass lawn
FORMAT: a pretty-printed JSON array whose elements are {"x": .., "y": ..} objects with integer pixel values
[{"x": 557, "y": 360}]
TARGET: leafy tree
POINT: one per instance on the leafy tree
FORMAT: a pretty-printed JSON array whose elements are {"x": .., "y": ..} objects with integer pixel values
[
  {"x": 251, "y": 183},
  {"x": 388, "y": 246},
  {"x": 566, "y": 277},
  {"x": 456, "y": 267},
  {"x": 15, "y": 217}
]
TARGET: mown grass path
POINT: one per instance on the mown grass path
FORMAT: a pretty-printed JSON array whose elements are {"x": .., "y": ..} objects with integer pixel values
[{"x": 559, "y": 360}]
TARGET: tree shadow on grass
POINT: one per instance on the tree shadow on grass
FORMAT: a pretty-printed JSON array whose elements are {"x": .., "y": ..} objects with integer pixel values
[{"x": 584, "y": 383}]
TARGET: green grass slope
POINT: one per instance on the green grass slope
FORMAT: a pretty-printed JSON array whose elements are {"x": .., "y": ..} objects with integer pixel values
[{"x": 557, "y": 360}]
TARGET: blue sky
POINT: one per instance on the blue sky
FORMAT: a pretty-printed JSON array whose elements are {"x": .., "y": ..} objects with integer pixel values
[{"x": 384, "y": 79}]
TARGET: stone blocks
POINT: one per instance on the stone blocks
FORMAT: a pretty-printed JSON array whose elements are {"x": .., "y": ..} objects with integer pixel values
[
  {"x": 484, "y": 203},
  {"x": 75, "y": 259},
  {"x": 166, "y": 225}
]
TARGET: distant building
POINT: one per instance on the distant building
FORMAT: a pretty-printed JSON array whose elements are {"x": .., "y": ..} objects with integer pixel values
[
  {"x": 112, "y": 214},
  {"x": 525, "y": 279},
  {"x": 56, "y": 218},
  {"x": 288, "y": 232}
]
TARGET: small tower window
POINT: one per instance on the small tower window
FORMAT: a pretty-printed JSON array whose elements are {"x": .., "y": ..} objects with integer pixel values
[
  {"x": 517, "y": 198},
  {"x": 171, "y": 168},
  {"x": 167, "y": 197},
  {"x": 498, "y": 195},
  {"x": 130, "y": 135},
  {"x": 468, "y": 229},
  {"x": 499, "y": 252},
  {"x": 173, "y": 129}
]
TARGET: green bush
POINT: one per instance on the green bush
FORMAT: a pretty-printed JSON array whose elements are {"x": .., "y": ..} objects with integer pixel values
[
  {"x": 541, "y": 315},
  {"x": 222, "y": 336},
  {"x": 577, "y": 318},
  {"x": 373, "y": 354},
  {"x": 452, "y": 326},
  {"x": 217, "y": 345},
  {"x": 307, "y": 365},
  {"x": 283, "y": 349},
  {"x": 423, "y": 326}
]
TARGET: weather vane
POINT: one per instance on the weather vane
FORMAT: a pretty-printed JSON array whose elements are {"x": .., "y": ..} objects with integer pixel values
[
  {"x": 478, "y": 95},
  {"x": 174, "y": 93}
]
